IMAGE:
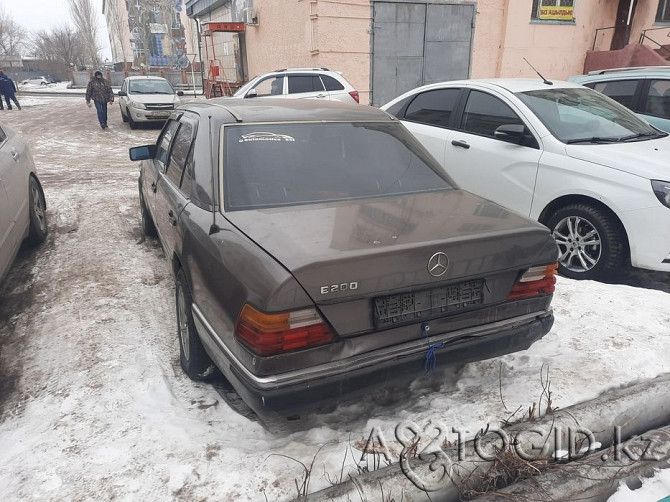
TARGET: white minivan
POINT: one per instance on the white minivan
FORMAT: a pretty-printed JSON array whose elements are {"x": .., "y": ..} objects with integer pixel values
[{"x": 591, "y": 170}]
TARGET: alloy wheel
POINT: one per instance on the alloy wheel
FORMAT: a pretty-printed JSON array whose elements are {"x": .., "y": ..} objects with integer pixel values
[
  {"x": 38, "y": 207},
  {"x": 578, "y": 242}
]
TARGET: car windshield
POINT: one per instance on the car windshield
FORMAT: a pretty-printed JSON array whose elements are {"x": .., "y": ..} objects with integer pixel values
[
  {"x": 150, "y": 87},
  {"x": 581, "y": 115},
  {"x": 290, "y": 164}
]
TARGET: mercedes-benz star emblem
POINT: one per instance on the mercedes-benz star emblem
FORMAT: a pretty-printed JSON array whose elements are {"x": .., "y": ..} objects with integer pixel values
[{"x": 437, "y": 265}]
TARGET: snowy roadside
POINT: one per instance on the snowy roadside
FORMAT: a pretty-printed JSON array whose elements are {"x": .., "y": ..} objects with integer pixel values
[{"x": 95, "y": 406}]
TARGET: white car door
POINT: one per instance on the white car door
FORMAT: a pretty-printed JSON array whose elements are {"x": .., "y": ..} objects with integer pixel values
[
  {"x": 429, "y": 117},
  {"x": 480, "y": 163},
  {"x": 308, "y": 86}
]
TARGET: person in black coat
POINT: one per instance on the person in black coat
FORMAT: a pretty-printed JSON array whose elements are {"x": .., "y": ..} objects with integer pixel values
[{"x": 8, "y": 89}]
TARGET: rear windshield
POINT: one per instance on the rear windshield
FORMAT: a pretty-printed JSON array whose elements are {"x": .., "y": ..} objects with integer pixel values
[{"x": 290, "y": 164}]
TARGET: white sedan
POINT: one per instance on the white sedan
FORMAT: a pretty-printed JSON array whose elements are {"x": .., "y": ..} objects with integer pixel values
[
  {"x": 588, "y": 168},
  {"x": 22, "y": 204}
]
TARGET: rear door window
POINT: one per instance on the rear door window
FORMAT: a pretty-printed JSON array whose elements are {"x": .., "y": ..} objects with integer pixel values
[
  {"x": 433, "y": 107},
  {"x": 181, "y": 147},
  {"x": 658, "y": 99},
  {"x": 484, "y": 113},
  {"x": 622, "y": 91},
  {"x": 304, "y": 83},
  {"x": 164, "y": 142}
]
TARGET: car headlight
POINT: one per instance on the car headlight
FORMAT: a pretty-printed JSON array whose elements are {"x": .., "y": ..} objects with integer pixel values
[
  {"x": 139, "y": 106},
  {"x": 662, "y": 191}
]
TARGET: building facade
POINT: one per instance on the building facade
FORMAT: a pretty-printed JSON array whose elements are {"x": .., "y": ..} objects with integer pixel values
[
  {"x": 150, "y": 34},
  {"x": 386, "y": 47}
]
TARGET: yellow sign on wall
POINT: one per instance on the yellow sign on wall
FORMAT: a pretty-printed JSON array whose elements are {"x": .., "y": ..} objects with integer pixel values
[{"x": 557, "y": 13}]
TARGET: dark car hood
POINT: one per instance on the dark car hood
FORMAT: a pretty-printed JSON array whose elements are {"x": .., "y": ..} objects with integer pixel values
[{"x": 384, "y": 244}]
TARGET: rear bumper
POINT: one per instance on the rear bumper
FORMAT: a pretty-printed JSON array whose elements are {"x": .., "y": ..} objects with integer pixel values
[{"x": 293, "y": 392}]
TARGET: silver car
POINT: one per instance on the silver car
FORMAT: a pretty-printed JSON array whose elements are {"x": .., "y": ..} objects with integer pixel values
[
  {"x": 147, "y": 99},
  {"x": 22, "y": 204}
]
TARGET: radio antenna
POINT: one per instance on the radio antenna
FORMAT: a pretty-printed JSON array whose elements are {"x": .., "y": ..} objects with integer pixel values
[{"x": 544, "y": 80}]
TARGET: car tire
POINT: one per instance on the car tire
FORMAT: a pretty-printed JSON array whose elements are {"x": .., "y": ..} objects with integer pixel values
[
  {"x": 147, "y": 222},
  {"x": 574, "y": 227},
  {"x": 37, "y": 230},
  {"x": 131, "y": 122},
  {"x": 123, "y": 116},
  {"x": 194, "y": 360}
]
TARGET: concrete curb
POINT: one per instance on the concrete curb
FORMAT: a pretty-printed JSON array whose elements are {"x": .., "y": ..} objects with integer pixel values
[
  {"x": 597, "y": 476},
  {"x": 610, "y": 418}
]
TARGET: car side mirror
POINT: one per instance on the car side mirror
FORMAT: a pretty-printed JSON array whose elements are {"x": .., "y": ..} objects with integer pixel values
[
  {"x": 251, "y": 94},
  {"x": 145, "y": 152},
  {"x": 123, "y": 93},
  {"x": 180, "y": 93},
  {"x": 511, "y": 133}
]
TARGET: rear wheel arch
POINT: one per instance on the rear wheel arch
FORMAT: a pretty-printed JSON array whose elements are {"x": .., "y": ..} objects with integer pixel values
[{"x": 567, "y": 200}]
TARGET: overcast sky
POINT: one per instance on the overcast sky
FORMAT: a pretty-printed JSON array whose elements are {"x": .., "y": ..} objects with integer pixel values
[{"x": 35, "y": 15}]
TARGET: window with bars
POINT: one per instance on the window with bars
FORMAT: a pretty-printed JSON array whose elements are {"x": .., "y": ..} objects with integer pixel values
[
  {"x": 663, "y": 13},
  {"x": 554, "y": 10}
]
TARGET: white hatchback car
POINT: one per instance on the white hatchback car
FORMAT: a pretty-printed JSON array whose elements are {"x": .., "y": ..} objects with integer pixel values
[
  {"x": 147, "y": 99},
  {"x": 592, "y": 171},
  {"x": 300, "y": 83}
]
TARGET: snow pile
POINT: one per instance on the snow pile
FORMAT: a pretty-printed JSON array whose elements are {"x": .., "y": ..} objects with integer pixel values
[{"x": 656, "y": 489}]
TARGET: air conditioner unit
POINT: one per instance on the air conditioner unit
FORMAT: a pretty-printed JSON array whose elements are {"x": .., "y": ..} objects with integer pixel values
[{"x": 250, "y": 17}]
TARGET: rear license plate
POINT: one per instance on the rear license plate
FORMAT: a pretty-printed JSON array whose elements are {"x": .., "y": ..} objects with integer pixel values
[{"x": 428, "y": 303}]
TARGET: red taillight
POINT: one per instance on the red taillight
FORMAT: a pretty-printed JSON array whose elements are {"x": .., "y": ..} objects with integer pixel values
[
  {"x": 354, "y": 94},
  {"x": 269, "y": 334},
  {"x": 536, "y": 281}
]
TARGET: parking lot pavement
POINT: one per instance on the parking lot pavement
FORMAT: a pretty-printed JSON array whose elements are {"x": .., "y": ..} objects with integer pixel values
[{"x": 94, "y": 405}]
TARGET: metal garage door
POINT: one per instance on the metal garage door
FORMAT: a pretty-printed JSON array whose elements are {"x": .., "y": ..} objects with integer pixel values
[{"x": 418, "y": 43}]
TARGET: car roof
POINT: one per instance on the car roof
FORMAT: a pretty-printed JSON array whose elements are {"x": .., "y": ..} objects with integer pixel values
[
  {"x": 252, "y": 110},
  {"x": 510, "y": 84},
  {"x": 624, "y": 73}
]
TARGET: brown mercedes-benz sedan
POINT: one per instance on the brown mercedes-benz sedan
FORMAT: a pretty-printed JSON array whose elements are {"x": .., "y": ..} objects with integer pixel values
[{"x": 319, "y": 250}]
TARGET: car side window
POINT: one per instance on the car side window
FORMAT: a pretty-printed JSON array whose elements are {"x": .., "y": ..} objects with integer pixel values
[
  {"x": 164, "y": 141},
  {"x": 433, "y": 107},
  {"x": 304, "y": 83},
  {"x": 271, "y": 86},
  {"x": 3, "y": 137},
  {"x": 331, "y": 84},
  {"x": 187, "y": 178},
  {"x": 484, "y": 113},
  {"x": 181, "y": 145},
  {"x": 622, "y": 91},
  {"x": 658, "y": 100}
]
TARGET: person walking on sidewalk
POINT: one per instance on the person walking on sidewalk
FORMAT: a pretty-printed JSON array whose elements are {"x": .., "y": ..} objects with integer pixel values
[
  {"x": 8, "y": 89},
  {"x": 101, "y": 93}
]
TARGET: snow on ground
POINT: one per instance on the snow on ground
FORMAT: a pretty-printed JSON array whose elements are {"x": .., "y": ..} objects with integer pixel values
[
  {"x": 656, "y": 489},
  {"x": 94, "y": 404}
]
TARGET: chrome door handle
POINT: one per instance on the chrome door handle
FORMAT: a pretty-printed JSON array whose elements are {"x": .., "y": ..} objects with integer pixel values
[
  {"x": 460, "y": 143},
  {"x": 321, "y": 96},
  {"x": 154, "y": 187},
  {"x": 15, "y": 155},
  {"x": 172, "y": 218}
]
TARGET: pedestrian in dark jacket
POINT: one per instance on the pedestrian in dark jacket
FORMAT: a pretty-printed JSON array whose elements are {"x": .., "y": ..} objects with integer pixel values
[
  {"x": 101, "y": 93},
  {"x": 8, "y": 90}
]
